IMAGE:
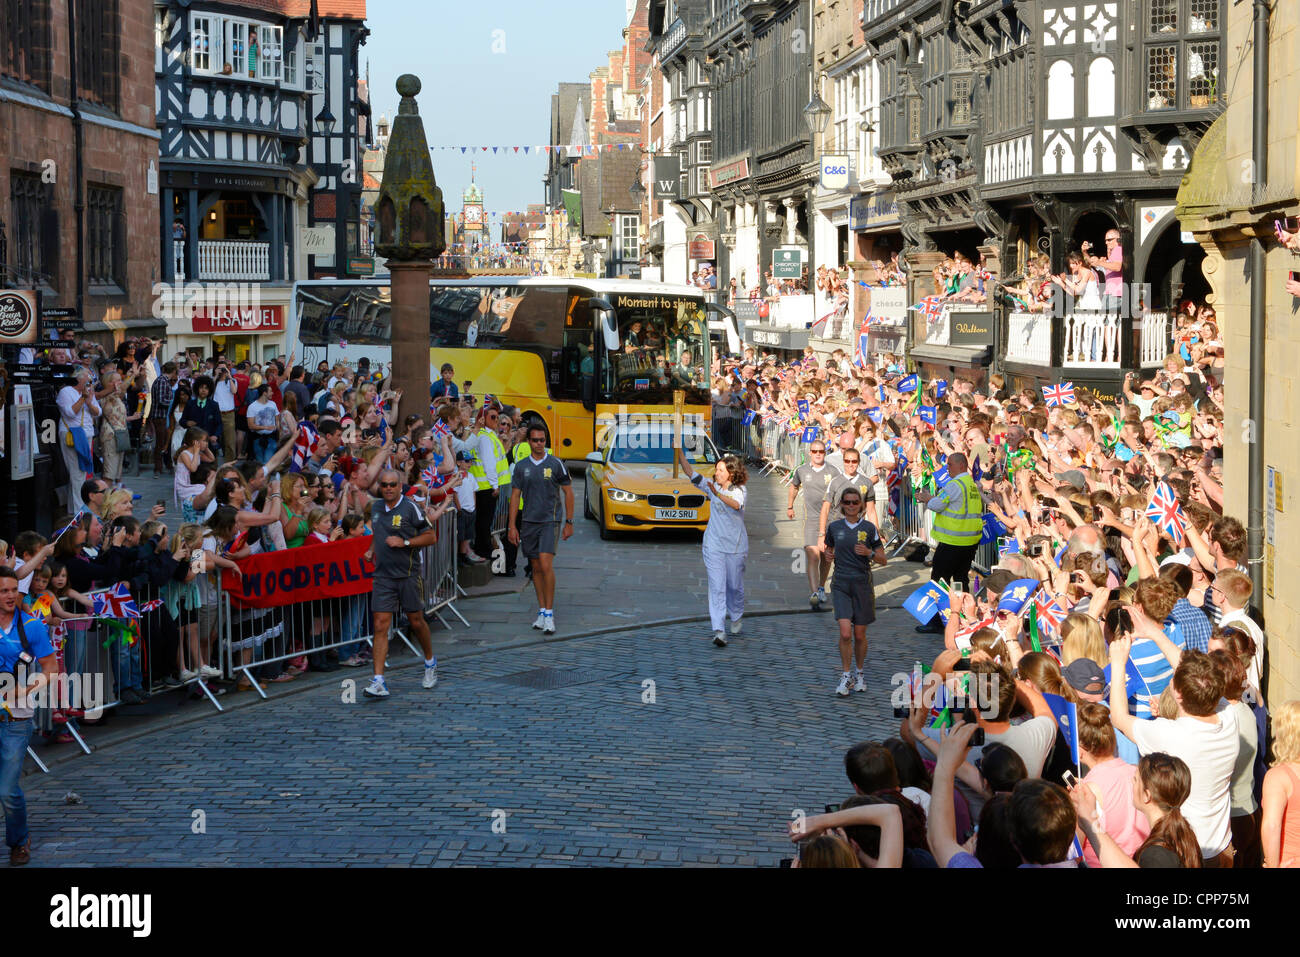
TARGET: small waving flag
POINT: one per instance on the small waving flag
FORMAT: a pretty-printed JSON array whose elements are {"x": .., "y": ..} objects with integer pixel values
[
  {"x": 1016, "y": 596},
  {"x": 875, "y": 415},
  {"x": 932, "y": 306},
  {"x": 115, "y": 602},
  {"x": 927, "y": 601},
  {"x": 940, "y": 388},
  {"x": 860, "y": 345},
  {"x": 151, "y": 605},
  {"x": 803, "y": 406},
  {"x": 881, "y": 392},
  {"x": 909, "y": 383},
  {"x": 42, "y": 606},
  {"x": 1061, "y": 394},
  {"x": 993, "y": 529},
  {"x": 928, "y": 414},
  {"x": 748, "y": 417},
  {"x": 1165, "y": 511},
  {"x": 810, "y": 434},
  {"x": 1050, "y": 613},
  {"x": 304, "y": 446}
]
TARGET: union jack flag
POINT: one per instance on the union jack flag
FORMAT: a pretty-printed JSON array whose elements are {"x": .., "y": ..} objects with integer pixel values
[
  {"x": 115, "y": 602},
  {"x": 894, "y": 481},
  {"x": 1062, "y": 394},
  {"x": 149, "y": 606},
  {"x": 1165, "y": 511},
  {"x": 932, "y": 306},
  {"x": 1050, "y": 614},
  {"x": 860, "y": 350},
  {"x": 304, "y": 446}
]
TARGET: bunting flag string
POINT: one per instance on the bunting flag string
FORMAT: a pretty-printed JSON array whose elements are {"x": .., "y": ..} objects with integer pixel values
[{"x": 572, "y": 149}]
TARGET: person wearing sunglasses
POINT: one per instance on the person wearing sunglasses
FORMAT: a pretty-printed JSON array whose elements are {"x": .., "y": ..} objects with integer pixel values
[
  {"x": 853, "y": 544},
  {"x": 491, "y": 472},
  {"x": 400, "y": 531},
  {"x": 813, "y": 480}
]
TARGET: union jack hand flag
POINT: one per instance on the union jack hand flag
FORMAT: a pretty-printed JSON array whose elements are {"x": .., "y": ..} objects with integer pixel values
[
  {"x": 1050, "y": 614},
  {"x": 304, "y": 446},
  {"x": 860, "y": 350},
  {"x": 1062, "y": 394},
  {"x": 149, "y": 606},
  {"x": 932, "y": 306},
  {"x": 115, "y": 602},
  {"x": 1165, "y": 511}
]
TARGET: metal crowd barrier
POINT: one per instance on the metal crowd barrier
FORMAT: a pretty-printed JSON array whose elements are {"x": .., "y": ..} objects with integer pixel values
[
  {"x": 264, "y": 639},
  {"x": 179, "y": 632},
  {"x": 914, "y": 523},
  {"x": 501, "y": 517},
  {"x": 104, "y": 663},
  {"x": 441, "y": 568},
  {"x": 733, "y": 435}
]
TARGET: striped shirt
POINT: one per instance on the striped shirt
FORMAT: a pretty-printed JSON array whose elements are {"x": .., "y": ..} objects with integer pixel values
[
  {"x": 160, "y": 398},
  {"x": 1154, "y": 668}
]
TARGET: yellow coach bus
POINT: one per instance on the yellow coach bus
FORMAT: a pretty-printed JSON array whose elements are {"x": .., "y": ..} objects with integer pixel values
[{"x": 576, "y": 353}]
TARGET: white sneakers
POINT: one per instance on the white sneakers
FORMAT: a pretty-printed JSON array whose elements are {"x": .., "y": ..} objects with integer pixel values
[
  {"x": 861, "y": 683},
  {"x": 842, "y": 689},
  {"x": 720, "y": 639},
  {"x": 735, "y": 627},
  {"x": 376, "y": 688},
  {"x": 187, "y": 675},
  {"x": 207, "y": 671},
  {"x": 540, "y": 623},
  {"x": 430, "y": 675},
  {"x": 549, "y": 627},
  {"x": 821, "y": 596}
]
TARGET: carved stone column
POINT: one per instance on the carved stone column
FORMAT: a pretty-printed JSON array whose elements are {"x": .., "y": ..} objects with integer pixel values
[{"x": 410, "y": 216}]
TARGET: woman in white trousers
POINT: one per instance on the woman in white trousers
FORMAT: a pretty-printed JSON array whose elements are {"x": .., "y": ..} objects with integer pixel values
[{"x": 726, "y": 543}]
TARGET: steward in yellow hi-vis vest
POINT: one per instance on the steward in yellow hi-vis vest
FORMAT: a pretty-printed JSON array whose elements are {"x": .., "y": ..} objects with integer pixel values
[{"x": 958, "y": 526}]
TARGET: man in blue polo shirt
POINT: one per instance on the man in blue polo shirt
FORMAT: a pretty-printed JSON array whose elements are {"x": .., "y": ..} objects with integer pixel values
[{"x": 24, "y": 645}]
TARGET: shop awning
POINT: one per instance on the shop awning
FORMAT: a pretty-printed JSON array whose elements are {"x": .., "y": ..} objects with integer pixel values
[
  {"x": 953, "y": 355},
  {"x": 775, "y": 337}
]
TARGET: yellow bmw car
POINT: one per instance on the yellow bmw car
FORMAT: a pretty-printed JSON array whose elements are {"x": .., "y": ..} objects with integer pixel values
[{"x": 630, "y": 486}]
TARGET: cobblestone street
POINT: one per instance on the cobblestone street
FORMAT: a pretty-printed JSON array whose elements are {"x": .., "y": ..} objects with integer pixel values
[{"x": 554, "y": 742}]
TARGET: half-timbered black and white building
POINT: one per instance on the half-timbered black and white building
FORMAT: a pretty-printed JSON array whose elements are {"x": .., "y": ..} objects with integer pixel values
[
  {"x": 1017, "y": 128},
  {"x": 762, "y": 175},
  {"x": 261, "y": 124}
]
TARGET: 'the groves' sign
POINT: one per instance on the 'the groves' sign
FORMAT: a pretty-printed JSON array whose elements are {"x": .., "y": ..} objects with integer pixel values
[{"x": 271, "y": 579}]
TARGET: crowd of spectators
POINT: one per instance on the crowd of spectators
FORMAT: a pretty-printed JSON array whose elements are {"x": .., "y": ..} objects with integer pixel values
[
  {"x": 1147, "y": 626},
  {"x": 263, "y": 456}
]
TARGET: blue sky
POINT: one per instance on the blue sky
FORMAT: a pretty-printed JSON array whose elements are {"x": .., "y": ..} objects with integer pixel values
[{"x": 488, "y": 71}]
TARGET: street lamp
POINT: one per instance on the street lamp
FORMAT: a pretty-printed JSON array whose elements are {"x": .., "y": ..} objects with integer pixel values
[
  {"x": 637, "y": 191},
  {"x": 817, "y": 114},
  {"x": 325, "y": 121}
]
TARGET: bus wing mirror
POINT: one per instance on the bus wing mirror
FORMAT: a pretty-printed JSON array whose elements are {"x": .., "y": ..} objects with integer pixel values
[{"x": 608, "y": 323}]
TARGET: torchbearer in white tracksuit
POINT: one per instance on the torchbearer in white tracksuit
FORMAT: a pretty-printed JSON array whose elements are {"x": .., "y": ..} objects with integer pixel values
[{"x": 726, "y": 543}]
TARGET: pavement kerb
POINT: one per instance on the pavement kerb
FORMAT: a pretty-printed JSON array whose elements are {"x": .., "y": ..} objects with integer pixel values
[{"x": 248, "y": 699}]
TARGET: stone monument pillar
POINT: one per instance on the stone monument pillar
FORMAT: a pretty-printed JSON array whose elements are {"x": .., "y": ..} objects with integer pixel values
[{"x": 409, "y": 214}]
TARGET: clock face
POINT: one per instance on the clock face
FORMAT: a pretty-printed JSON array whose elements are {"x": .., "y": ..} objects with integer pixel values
[{"x": 473, "y": 214}]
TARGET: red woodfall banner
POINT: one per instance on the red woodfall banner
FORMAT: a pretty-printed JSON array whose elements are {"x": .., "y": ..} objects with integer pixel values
[{"x": 310, "y": 572}]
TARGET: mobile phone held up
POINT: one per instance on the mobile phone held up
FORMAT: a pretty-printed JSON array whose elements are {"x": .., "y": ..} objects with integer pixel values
[{"x": 1069, "y": 778}]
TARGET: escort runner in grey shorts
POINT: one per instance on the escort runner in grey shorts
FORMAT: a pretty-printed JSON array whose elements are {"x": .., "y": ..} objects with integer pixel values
[
  {"x": 537, "y": 538},
  {"x": 854, "y": 600},
  {"x": 395, "y": 596}
]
